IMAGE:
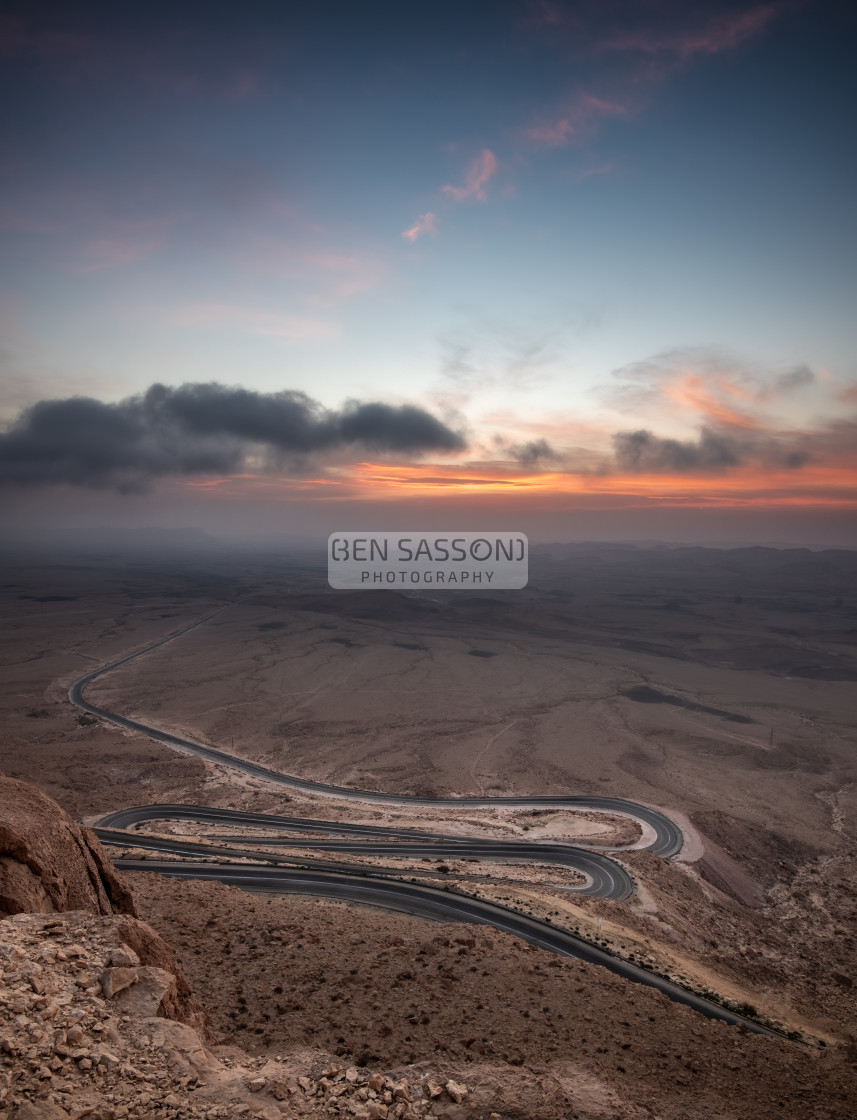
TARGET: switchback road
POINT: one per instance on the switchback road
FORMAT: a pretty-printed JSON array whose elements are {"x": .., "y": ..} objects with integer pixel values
[
  {"x": 604, "y": 877},
  {"x": 418, "y": 899},
  {"x": 667, "y": 840}
]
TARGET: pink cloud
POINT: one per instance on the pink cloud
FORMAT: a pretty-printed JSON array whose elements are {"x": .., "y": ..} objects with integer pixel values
[
  {"x": 721, "y": 34},
  {"x": 340, "y": 276},
  {"x": 93, "y": 237},
  {"x": 320, "y": 273},
  {"x": 291, "y": 330},
  {"x": 481, "y": 169},
  {"x": 425, "y": 223},
  {"x": 553, "y": 135},
  {"x": 580, "y": 116}
]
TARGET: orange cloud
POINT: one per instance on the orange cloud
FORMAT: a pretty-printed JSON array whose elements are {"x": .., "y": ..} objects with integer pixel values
[
  {"x": 425, "y": 223},
  {"x": 481, "y": 169},
  {"x": 717, "y": 389},
  {"x": 691, "y": 390}
]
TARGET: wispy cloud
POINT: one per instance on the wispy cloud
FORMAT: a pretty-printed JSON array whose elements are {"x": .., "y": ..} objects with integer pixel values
[
  {"x": 291, "y": 330},
  {"x": 708, "y": 385},
  {"x": 722, "y": 33},
  {"x": 747, "y": 418},
  {"x": 647, "y": 53},
  {"x": 94, "y": 236},
  {"x": 485, "y": 354},
  {"x": 478, "y": 173},
  {"x": 425, "y": 223},
  {"x": 712, "y": 399},
  {"x": 578, "y": 118},
  {"x": 553, "y": 134},
  {"x": 324, "y": 274}
]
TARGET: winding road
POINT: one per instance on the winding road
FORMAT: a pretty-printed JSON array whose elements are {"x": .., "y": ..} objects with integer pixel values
[
  {"x": 605, "y": 877},
  {"x": 668, "y": 837},
  {"x": 446, "y": 905}
]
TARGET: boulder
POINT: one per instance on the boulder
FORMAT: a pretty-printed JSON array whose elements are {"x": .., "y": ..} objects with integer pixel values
[
  {"x": 48, "y": 863},
  {"x": 175, "y": 1000}
]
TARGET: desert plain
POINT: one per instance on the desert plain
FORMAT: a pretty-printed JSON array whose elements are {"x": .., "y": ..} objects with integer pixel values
[{"x": 716, "y": 685}]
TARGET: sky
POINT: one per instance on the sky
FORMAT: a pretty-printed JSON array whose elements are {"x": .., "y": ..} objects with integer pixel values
[{"x": 580, "y": 269}]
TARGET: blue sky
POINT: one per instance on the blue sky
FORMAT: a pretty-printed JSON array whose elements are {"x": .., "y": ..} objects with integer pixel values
[{"x": 545, "y": 224}]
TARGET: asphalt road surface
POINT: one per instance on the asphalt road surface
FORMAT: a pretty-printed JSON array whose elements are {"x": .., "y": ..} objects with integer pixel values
[
  {"x": 667, "y": 840},
  {"x": 393, "y": 893},
  {"x": 439, "y": 904},
  {"x": 604, "y": 877}
]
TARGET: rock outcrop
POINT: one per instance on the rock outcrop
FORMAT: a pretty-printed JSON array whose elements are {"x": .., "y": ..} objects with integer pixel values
[
  {"x": 48, "y": 863},
  {"x": 83, "y": 1034}
]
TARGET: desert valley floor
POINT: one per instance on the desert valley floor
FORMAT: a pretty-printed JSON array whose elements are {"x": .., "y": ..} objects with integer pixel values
[{"x": 715, "y": 685}]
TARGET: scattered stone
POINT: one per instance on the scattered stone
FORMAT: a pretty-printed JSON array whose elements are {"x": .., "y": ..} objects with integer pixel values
[
  {"x": 402, "y": 1090},
  {"x": 123, "y": 957},
  {"x": 282, "y": 1090},
  {"x": 434, "y": 1088},
  {"x": 456, "y": 1091},
  {"x": 116, "y": 980}
]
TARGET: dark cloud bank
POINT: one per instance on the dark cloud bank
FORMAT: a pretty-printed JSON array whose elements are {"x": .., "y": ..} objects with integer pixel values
[
  {"x": 201, "y": 429},
  {"x": 712, "y": 452}
]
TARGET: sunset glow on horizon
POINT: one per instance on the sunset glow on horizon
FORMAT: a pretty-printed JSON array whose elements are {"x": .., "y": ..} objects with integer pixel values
[
  {"x": 833, "y": 487},
  {"x": 582, "y": 256}
]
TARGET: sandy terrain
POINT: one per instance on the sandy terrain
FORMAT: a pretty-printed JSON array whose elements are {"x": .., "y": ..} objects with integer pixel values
[
  {"x": 715, "y": 685},
  {"x": 379, "y": 989},
  {"x": 325, "y": 687}
]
